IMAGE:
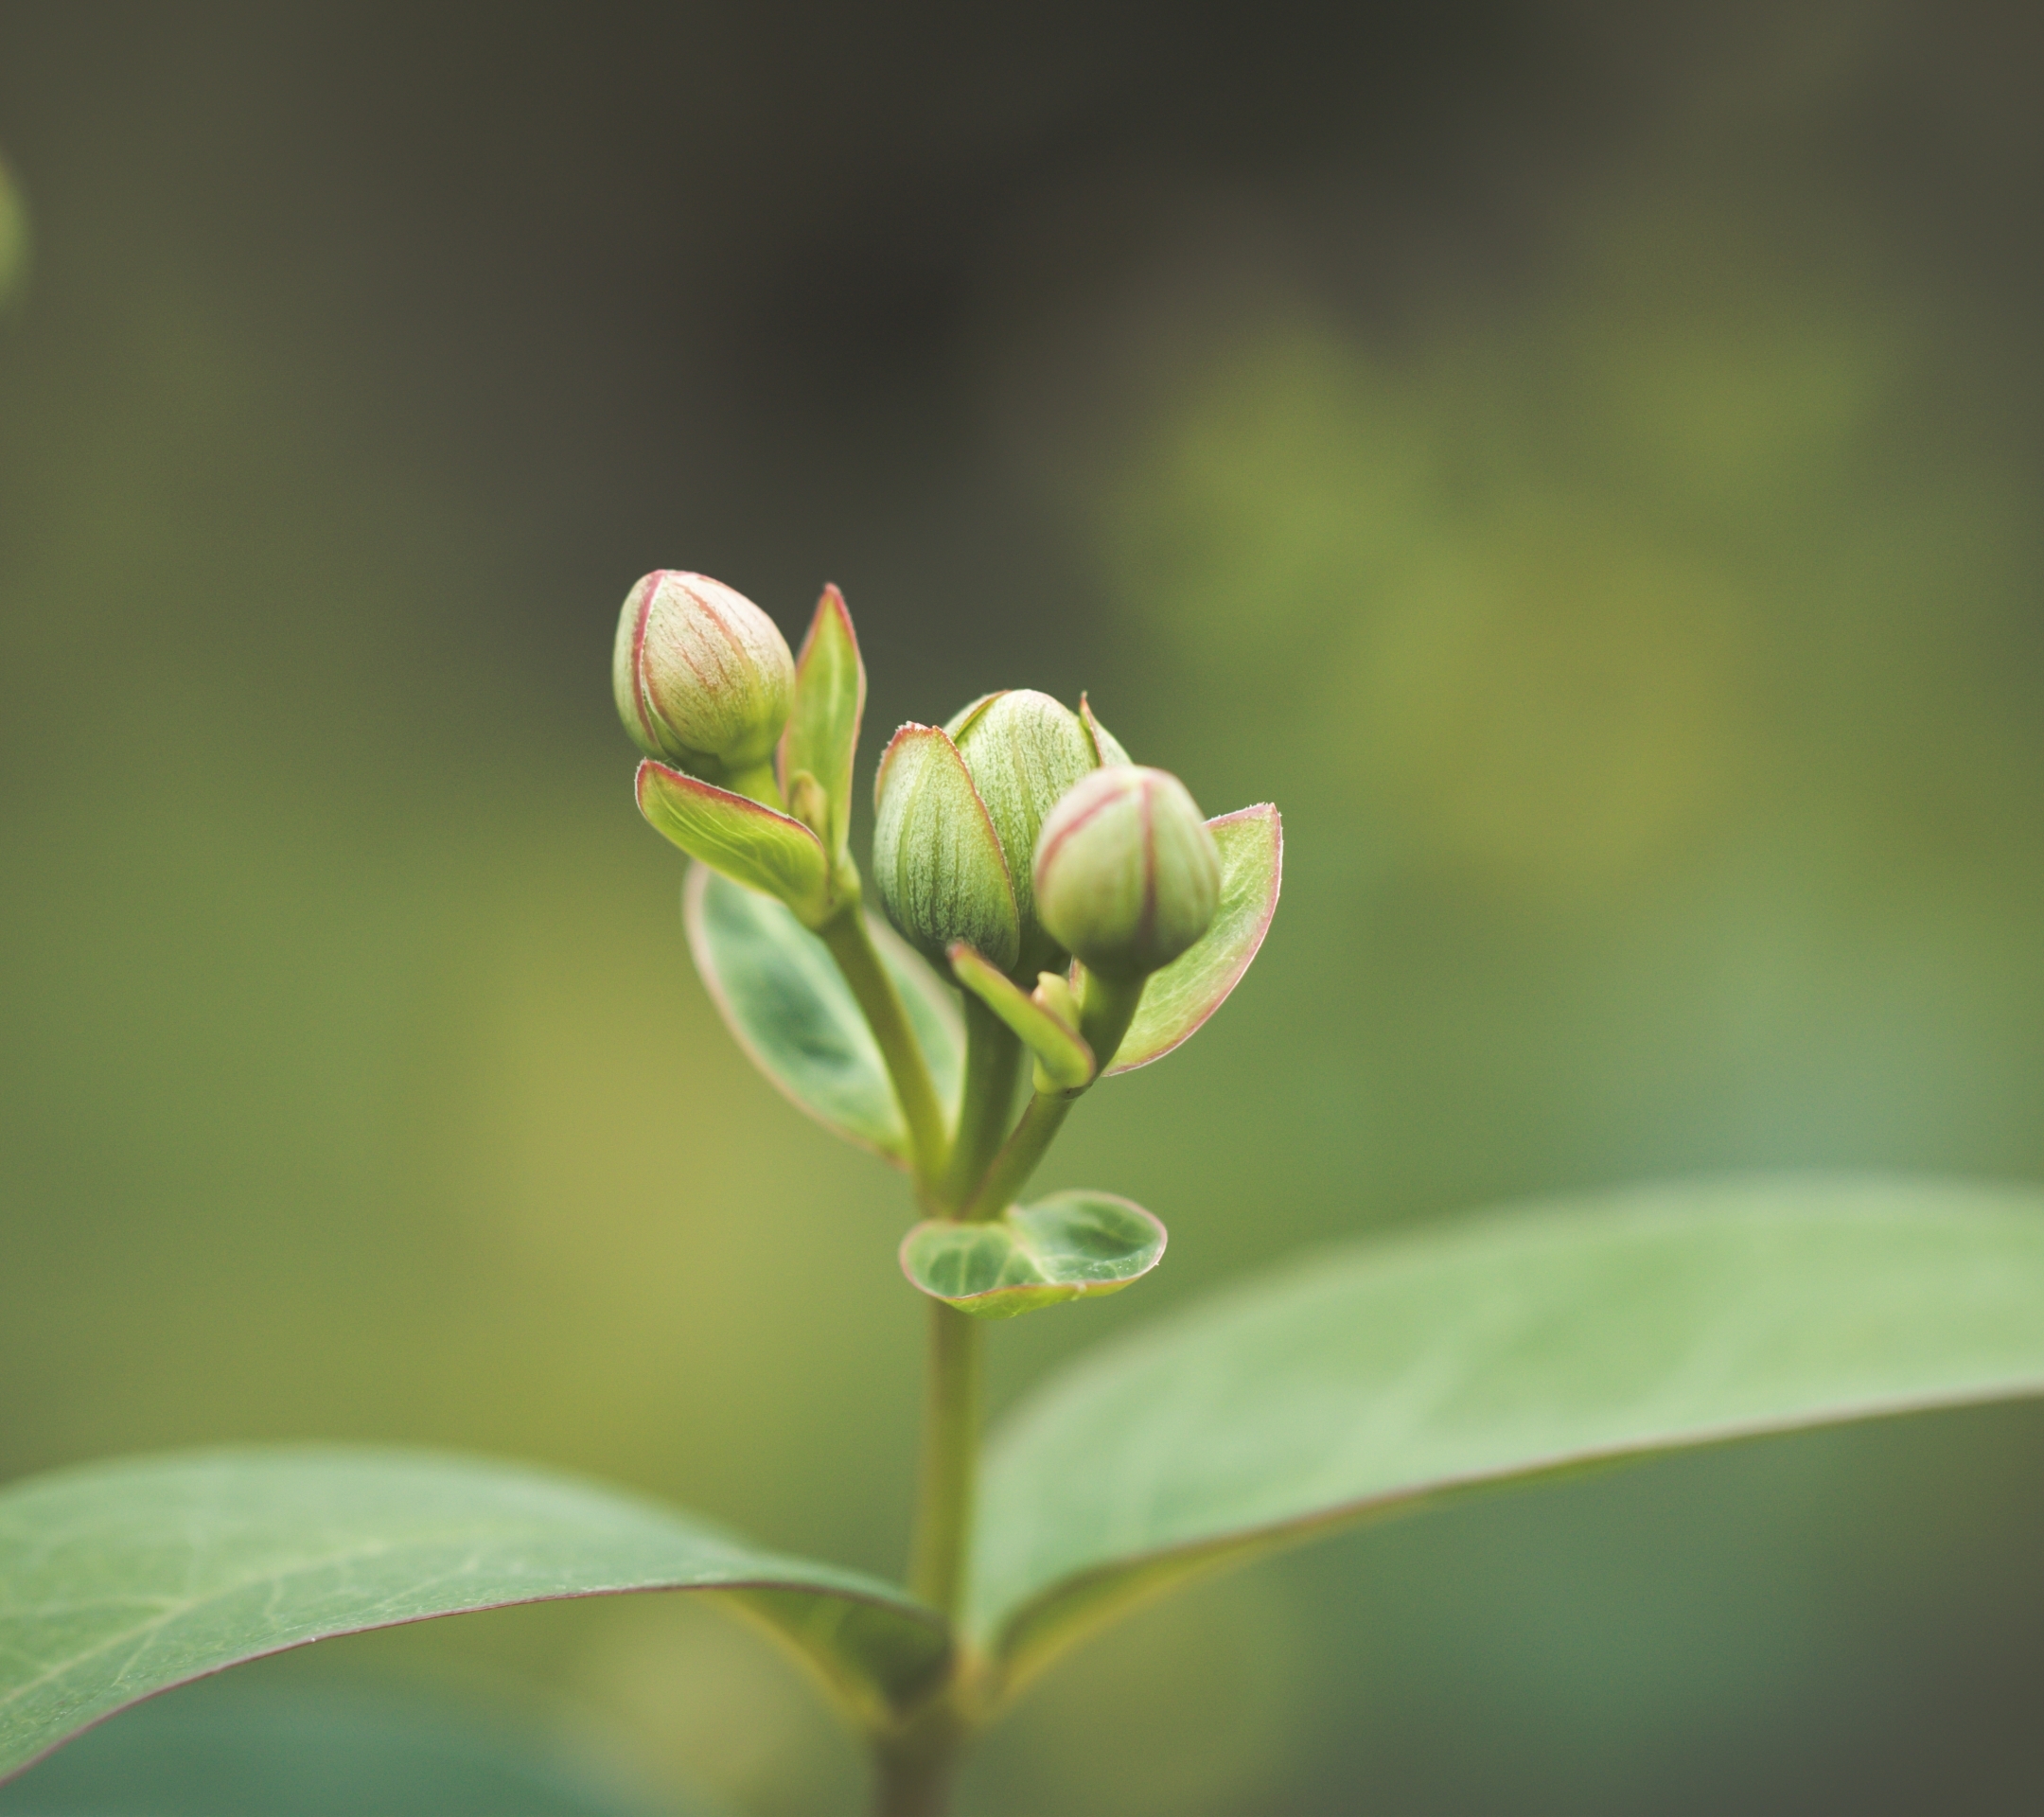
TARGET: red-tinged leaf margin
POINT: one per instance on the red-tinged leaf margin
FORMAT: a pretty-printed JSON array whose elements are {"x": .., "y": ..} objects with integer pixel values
[
  {"x": 832, "y": 614},
  {"x": 1262, "y": 810},
  {"x": 1030, "y": 1296},
  {"x": 777, "y": 854}
]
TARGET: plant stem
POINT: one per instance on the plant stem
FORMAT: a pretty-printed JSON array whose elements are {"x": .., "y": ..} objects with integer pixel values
[
  {"x": 850, "y": 945},
  {"x": 993, "y": 1057},
  {"x": 1041, "y": 1120},
  {"x": 950, "y": 1460},
  {"x": 912, "y": 1771},
  {"x": 759, "y": 784},
  {"x": 1105, "y": 1010}
]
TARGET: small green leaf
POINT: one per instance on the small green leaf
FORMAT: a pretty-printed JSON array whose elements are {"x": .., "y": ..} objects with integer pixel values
[
  {"x": 784, "y": 1000},
  {"x": 1069, "y": 1246},
  {"x": 1061, "y": 1054},
  {"x": 1365, "y": 1381},
  {"x": 240, "y": 1747},
  {"x": 748, "y": 843},
  {"x": 1179, "y": 998},
  {"x": 122, "y": 1580},
  {"x": 830, "y": 697},
  {"x": 936, "y": 859}
]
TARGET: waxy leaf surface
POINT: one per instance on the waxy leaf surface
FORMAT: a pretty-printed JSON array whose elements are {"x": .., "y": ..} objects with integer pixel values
[
  {"x": 1180, "y": 997},
  {"x": 738, "y": 838},
  {"x": 122, "y": 1580},
  {"x": 830, "y": 697},
  {"x": 1360, "y": 1381},
  {"x": 1068, "y": 1247},
  {"x": 784, "y": 999}
]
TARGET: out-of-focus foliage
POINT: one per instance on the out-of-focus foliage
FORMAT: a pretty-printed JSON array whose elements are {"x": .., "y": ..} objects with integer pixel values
[
  {"x": 1579, "y": 460},
  {"x": 13, "y": 234}
]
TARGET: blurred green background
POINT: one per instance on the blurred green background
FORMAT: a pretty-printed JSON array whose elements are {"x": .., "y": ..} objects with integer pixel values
[{"x": 1582, "y": 461}]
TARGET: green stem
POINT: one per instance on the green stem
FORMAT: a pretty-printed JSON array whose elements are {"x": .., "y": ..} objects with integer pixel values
[
  {"x": 993, "y": 1057},
  {"x": 850, "y": 945},
  {"x": 1106, "y": 1007},
  {"x": 1040, "y": 1119},
  {"x": 759, "y": 784},
  {"x": 913, "y": 1768},
  {"x": 950, "y": 1462}
]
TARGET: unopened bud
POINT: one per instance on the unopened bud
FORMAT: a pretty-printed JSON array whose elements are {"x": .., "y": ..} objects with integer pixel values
[
  {"x": 704, "y": 679},
  {"x": 1127, "y": 875},
  {"x": 1023, "y": 750}
]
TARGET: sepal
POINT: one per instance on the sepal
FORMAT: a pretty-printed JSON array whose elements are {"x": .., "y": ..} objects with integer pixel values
[
  {"x": 740, "y": 838},
  {"x": 1063, "y": 1062},
  {"x": 822, "y": 732}
]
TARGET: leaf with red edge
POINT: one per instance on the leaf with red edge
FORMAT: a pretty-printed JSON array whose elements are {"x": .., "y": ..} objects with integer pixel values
[
  {"x": 1072, "y": 1245},
  {"x": 739, "y": 838},
  {"x": 830, "y": 699},
  {"x": 1179, "y": 998}
]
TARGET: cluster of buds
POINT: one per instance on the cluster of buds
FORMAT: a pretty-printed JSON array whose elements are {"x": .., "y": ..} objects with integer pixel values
[
  {"x": 1020, "y": 829},
  {"x": 1017, "y": 847}
]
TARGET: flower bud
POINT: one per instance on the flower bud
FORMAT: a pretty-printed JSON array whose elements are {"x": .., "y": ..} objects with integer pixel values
[
  {"x": 1127, "y": 875},
  {"x": 703, "y": 677},
  {"x": 1023, "y": 750}
]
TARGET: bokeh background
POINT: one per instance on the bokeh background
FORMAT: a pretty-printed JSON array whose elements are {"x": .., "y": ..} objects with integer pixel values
[{"x": 1582, "y": 460}]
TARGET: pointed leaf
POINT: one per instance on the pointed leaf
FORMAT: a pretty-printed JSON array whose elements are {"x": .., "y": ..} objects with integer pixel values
[
  {"x": 1179, "y": 998},
  {"x": 784, "y": 999},
  {"x": 241, "y": 1747},
  {"x": 936, "y": 859},
  {"x": 830, "y": 697},
  {"x": 1068, "y": 1247},
  {"x": 1106, "y": 747},
  {"x": 731, "y": 834},
  {"x": 1362, "y": 1381},
  {"x": 122, "y": 1580},
  {"x": 1060, "y": 1048}
]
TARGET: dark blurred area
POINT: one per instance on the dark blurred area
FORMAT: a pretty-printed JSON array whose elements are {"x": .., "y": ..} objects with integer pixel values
[{"x": 1582, "y": 461}]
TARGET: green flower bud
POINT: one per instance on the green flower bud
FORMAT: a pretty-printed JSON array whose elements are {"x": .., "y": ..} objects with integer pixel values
[
  {"x": 1023, "y": 750},
  {"x": 936, "y": 860},
  {"x": 704, "y": 679},
  {"x": 1127, "y": 875}
]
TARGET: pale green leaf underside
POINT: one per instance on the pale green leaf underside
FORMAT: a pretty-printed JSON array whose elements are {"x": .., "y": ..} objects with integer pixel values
[
  {"x": 1364, "y": 1378},
  {"x": 238, "y": 1747},
  {"x": 1178, "y": 999},
  {"x": 784, "y": 1000},
  {"x": 122, "y": 1580},
  {"x": 1068, "y": 1247}
]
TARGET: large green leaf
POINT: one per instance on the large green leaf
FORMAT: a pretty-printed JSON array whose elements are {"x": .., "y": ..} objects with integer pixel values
[
  {"x": 118, "y": 1581},
  {"x": 1365, "y": 1380},
  {"x": 786, "y": 1003},
  {"x": 1178, "y": 999},
  {"x": 232, "y": 1747}
]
